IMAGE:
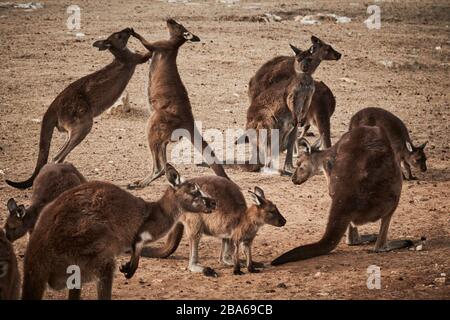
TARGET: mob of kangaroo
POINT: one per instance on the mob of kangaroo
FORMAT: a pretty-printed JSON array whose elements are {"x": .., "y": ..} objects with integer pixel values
[{"x": 88, "y": 224}]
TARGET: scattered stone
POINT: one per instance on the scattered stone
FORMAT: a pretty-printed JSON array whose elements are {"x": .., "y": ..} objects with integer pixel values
[
  {"x": 439, "y": 281},
  {"x": 36, "y": 120},
  {"x": 387, "y": 63},
  {"x": 348, "y": 80},
  {"x": 317, "y": 18},
  {"x": 419, "y": 247},
  {"x": 282, "y": 285},
  {"x": 318, "y": 274},
  {"x": 79, "y": 34}
]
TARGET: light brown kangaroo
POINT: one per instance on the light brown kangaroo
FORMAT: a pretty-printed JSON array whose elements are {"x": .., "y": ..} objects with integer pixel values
[
  {"x": 9, "y": 272},
  {"x": 232, "y": 221},
  {"x": 74, "y": 109},
  {"x": 283, "y": 106},
  {"x": 364, "y": 183},
  {"x": 282, "y": 68},
  {"x": 170, "y": 103},
  {"x": 90, "y": 225},
  {"x": 52, "y": 180},
  {"x": 401, "y": 143}
]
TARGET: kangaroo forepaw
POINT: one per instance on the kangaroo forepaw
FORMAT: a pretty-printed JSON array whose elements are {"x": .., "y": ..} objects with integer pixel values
[
  {"x": 127, "y": 270},
  {"x": 209, "y": 272}
]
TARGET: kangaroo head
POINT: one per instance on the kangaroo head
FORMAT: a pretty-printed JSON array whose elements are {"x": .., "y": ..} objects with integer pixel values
[
  {"x": 179, "y": 33},
  {"x": 15, "y": 223},
  {"x": 189, "y": 195},
  {"x": 116, "y": 41},
  {"x": 267, "y": 212},
  {"x": 416, "y": 156},
  {"x": 305, "y": 61},
  {"x": 307, "y": 166},
  {"x": 324, "y": 50}
]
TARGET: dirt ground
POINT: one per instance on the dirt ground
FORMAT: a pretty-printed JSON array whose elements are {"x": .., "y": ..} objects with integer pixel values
[{"x": 403, "y": 67}]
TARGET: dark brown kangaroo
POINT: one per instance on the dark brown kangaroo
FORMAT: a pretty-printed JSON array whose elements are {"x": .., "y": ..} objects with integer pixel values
[
  {"x": 170, "y": 103},
  {"x": 232, "y": 221},
  {"x": 283, "y": 107},
  {"x": 52, "y": 180},
  {"x": 90, "y": 225},
  {"x": 74, "y": 109},
  {"x": 9, "y": 272},
  {"x": 406, "y": 153},
  {"x": 364, "y": 183},
  {"x": 323, "y": 102}
]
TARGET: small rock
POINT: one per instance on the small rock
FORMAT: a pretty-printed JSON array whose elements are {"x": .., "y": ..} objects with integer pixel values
[
  {"x": 419, "y": 247},
  {"x": 79, "y": 34},
  {"x": 439, "y": 281},
  {"x": 318, "y": 274}
]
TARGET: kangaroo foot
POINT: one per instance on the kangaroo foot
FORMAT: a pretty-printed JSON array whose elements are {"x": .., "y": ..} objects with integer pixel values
[
  {"x": 286, "y": 173},
  {"x": 394, "y": 245},
  {"x": 363, "y": 239},
  {"x": 209, "y": 272},
  {"x": 252, "y": 269},
  {"x": 145, "y": 182},
  {"x": 237, "y": 272}
]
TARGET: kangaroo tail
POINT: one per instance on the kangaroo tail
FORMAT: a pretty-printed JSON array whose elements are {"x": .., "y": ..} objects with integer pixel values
[
  {"x": 215, "y": 165},
  {"x": 47, "y": 127},
  {"x": 172, "y": 243},
  {"x": 337, "y": 224}
]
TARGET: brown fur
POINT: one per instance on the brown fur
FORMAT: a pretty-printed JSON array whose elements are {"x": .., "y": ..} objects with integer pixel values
[
  {"x": 170, "y": 102},
  {"x": 52, "y": 180},
  {"x": 232, "y": 221},
  {"x": 283, "y": 106},
  {"x": 398, "y": 136},
  {"x": 9, "y": 272},
  {"x": 90, "y": 225},
  {"x": 364, "y": 183},
  {"x": 323, "y": 103},
  {"x": 74, "y": 109}
]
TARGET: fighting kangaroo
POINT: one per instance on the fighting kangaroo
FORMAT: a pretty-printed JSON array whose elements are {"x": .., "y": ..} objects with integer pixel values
[
  {"x": 282, "y": 68},
  {"x": 232, "y": 221},
  {"x": 52, "y": 180},
  {"x": 9, "y": 272},
  {"x": 74, "y": 109},
  {"x": 398, "y": 135},
  {"x": 283, "y": 107},
  {"x": 170, "y": 103},
  {"x": 364, "y": 183},
  {"x": 90, "y": 225}
]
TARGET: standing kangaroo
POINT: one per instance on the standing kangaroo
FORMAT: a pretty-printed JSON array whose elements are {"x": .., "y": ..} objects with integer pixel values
[
  {"x": 232, "y": 221},
  {"x": 398, "y": 135},
  {"x": 170, "y": 103},
  {"x": 9, "y": 272},
  {"x": 364, "y": 183},
  {"x": 52, "y": 180},
  {"x": 90, "y": 225},
  {"x": 282, "y": 68},
  {"x": 283, "y": 106},
  {"x": 74, "y": 109}
]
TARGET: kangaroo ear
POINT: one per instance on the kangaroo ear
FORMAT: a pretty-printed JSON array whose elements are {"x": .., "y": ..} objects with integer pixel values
[
  {"x": 259, "y": 192},
  {"x": 11, "y": 205},
  {"x": 102, "y": 44},
  {"x": 303, "y": 142},
  {"x": 258, "y": 196},
  {"x": 296, "y": 50},
  {"x": 315, "y": 40},
  {"x": 172, "y": 175},
  {"x": 423, "y": 145},
  {"x": 409, "y": 146}
]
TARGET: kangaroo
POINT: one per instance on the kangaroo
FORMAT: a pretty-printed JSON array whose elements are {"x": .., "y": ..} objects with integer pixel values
[
  {"x": 232, "y": 221},
  {"x": 364, "y": 183},
  {"x": 398, "y": 135},
  {"x": 52, "y": 180},
  {"x": 74, "y": 109},
  {"x": 9, "y": 272},
  {"x": 90, "y": 225},
  {"x": 283, "y": 106},
  {"x": 282, "y": 68},
  {"x": 170, "y": 103}
]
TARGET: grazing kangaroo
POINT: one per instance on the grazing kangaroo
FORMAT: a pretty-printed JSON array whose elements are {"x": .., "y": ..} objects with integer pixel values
[
  {"x": 9, "y": 272},
  {"x": 170, "y": 103},
  {"x": 364, "y": 183},
  {"x": 90, "y": 225},
  {"x": 398, "y": 135},
  {"x": 74, "y": 109},
  {"x": 52, "y": 180},
  {"x": 232, "y": 221},
  {"x": 282, "y": 68},
  {"x": 283, "y": 106}
]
